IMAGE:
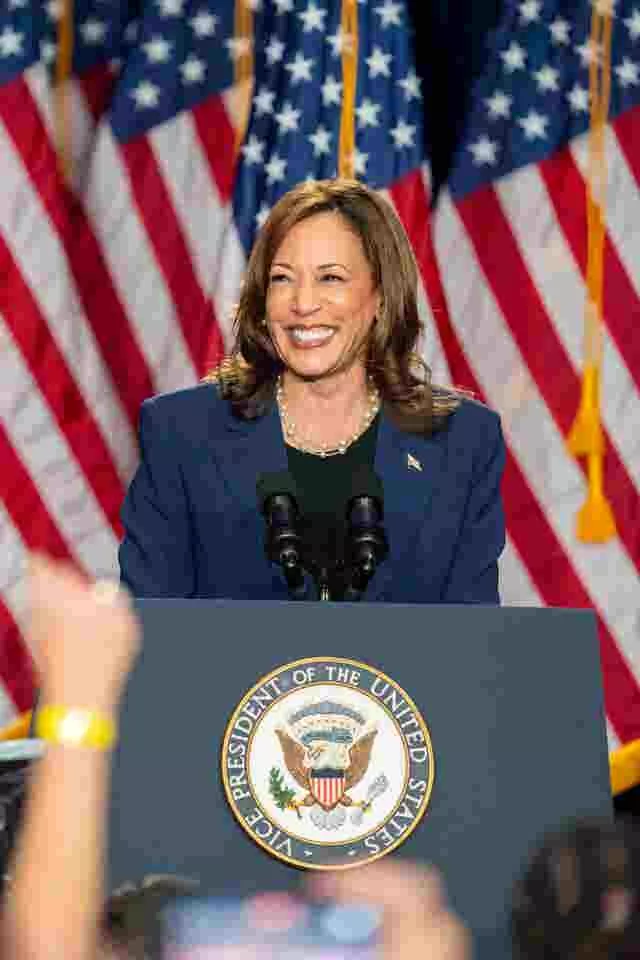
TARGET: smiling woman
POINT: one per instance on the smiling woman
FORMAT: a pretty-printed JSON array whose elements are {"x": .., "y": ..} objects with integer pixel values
[{"x": 323, "y": 381}]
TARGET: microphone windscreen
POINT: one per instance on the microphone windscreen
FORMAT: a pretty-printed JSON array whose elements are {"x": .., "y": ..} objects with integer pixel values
[
  {"x": 270, "y": 484},
  {"x": 365, "y": 482}
]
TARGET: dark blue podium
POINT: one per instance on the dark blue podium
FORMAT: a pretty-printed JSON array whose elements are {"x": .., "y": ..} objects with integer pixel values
[{"x": 512, "y": 698}]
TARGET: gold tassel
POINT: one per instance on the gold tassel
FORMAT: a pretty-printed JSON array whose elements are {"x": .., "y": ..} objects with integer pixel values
[
  {"x": 62, "y": 105},
  {"x": 595, "y": 521},
  {"x": 18, "y": 729},
  {"x": 347, "y": 144},
  {"x": 243, "y": 68}
]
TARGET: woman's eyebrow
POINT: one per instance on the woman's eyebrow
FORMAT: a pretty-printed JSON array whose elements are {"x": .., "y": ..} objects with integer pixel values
[{"x": 320, "y": 266}]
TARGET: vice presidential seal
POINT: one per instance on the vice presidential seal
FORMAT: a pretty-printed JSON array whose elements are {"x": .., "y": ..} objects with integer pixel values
[{"x": 327, "y": 763}]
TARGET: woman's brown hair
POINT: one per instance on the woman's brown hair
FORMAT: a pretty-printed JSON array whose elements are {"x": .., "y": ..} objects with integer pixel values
[{"x": 247, "y": 377}]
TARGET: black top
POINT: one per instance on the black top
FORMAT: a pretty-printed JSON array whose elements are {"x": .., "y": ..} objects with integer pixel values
[{"x": 323, "y": 485}]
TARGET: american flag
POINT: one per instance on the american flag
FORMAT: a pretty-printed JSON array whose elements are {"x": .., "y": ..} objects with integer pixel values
[
  {"x": 510, "y": 232},
  {"x": 119, "y": 283}
]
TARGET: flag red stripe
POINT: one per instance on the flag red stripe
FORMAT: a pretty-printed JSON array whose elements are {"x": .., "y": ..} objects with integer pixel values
[
  {"x": 627, "y": 129},
  {"x": 566, "y": 188},
  {"x": 412, "y": 204},
  {"x": 17, "y": 671},
  {"x": 549, "y": 567},
  {"x": 167, "y": 239},
  {"x": 58, "y": 387},
  {"x": 103, "y": 309},
  {"x": 30, "y": 516},
  {"x": 410, "y": 200},
  {"x": 25, "y": 506},
  {"x": 97, "y": 85},
  {"x": 217, "y": 137},
  {"x": 537, "y": 340}
]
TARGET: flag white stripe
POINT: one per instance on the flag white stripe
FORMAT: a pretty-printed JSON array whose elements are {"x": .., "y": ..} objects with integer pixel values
[
  {"x": 430, "y": 345},
  {"x": 193, "y": 192},
  {"x": 51, "y": 285},
  {"x": 516, "y": 586},
  {"x": 52, "y": 466},
  {"x": 13, "y": 561},
  {"x": 622, "y": 201},
  {"x": 8, "y": 712},
  {"x": 612, "y": 741},
  {"x": 38, "y": 83},
  {"x": 561, "y": 287},
  {"x": 554, "y": 477},
  {"x": 228, "y": 271},
  {"x": 134, "y": 270},
  {"x": 83, "y": 128}
]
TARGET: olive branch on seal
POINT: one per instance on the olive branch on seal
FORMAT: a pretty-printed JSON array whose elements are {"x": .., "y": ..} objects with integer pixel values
[{"x": 284, "y": 797}]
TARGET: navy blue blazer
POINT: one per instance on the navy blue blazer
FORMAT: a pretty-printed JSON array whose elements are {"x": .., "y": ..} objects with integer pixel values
[{"x": 193, "y": 528}]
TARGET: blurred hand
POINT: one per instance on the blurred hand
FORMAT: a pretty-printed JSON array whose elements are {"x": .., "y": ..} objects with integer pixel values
[
  {"x": 84, "y": 646},
  {"x": 417, "y": 921}
]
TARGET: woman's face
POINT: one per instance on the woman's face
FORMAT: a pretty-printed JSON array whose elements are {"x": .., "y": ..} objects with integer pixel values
[{"x": 321, "y": 298}]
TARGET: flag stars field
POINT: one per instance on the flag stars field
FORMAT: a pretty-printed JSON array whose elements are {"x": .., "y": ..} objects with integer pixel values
[
  {"x": 300, "y": 68},
  {"x": 312, "y": 18},
  {"x": 390, "y": 14},
  {"x": 499, "y": 104},
  {"x": 530, "y": 11},
  {"x": 146, "y": 94},
  {"x": 411, "y": 85},
  {"x": 11, "y": 42},
  {"x": 534, "y": 125},
  {"x": 560, "y": 30},
  {"x": 331, "y": 91},
  {"x": 171, "y": 8},
  {"x": 367, "y": 113},
  {"x": 547, "y": 78},
  {"x": 514, "y": 57},
  {"x": 93, "y": 31},
  {"x": 204, "y": 23},
  {"x": 158, "y": 50},
  {"x": 193, "y": 70},
  {"x": 632, "y": 23},
  {"x": 578, "y": 98},
  {"x": 379, "y": 63}
]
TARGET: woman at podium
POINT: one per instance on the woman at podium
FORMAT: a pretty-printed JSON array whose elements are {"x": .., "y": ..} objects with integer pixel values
[{"x": 322, "y": 433}]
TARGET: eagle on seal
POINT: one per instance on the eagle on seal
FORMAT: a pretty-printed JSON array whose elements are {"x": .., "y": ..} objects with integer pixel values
[{"x": 326, "y": 769}]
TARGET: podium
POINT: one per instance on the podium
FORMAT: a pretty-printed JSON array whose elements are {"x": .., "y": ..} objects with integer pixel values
[{"x": 512, "y": 699}]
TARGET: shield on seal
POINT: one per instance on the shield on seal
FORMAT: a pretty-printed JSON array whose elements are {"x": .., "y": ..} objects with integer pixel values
[{"x": 327, "y": 786}]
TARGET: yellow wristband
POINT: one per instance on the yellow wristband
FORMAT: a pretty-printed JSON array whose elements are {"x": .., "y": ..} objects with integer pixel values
[{"x": 75, "y": 727}]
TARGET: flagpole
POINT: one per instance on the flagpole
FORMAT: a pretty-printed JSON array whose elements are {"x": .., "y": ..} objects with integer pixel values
[
  {"x": 62, "y": 106},
  {"x": 347, "y": 143},
  {"x": 595, "y": 520}
]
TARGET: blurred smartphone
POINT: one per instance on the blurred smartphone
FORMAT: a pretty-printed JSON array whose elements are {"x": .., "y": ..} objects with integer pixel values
[{"x": 270, "y": 927}]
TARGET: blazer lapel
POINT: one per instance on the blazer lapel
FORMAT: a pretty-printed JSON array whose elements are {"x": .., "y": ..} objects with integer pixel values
[
  {"x": 254, "y": 447},
  {"x": 409, "y": 467}
]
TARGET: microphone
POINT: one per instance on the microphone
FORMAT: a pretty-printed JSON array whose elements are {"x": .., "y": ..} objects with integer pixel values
[
  {"x": 277, "y": 497},
  {"x": 366, "y": 544}
]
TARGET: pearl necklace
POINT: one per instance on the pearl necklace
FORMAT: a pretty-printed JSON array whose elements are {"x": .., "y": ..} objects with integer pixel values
[{"x": 293, "y": 440}]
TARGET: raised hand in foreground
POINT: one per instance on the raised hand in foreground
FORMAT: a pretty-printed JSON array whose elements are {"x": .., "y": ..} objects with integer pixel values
[
  {"x": 85, "y": 639},
  {"x": 417, "y": 920}
]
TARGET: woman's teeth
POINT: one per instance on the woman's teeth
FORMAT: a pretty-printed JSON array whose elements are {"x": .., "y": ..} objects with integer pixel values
[{"x": 311, "y": 334}]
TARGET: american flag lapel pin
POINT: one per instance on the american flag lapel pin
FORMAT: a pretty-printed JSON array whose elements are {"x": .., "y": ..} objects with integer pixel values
[{"x": 413, "y": 463}]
